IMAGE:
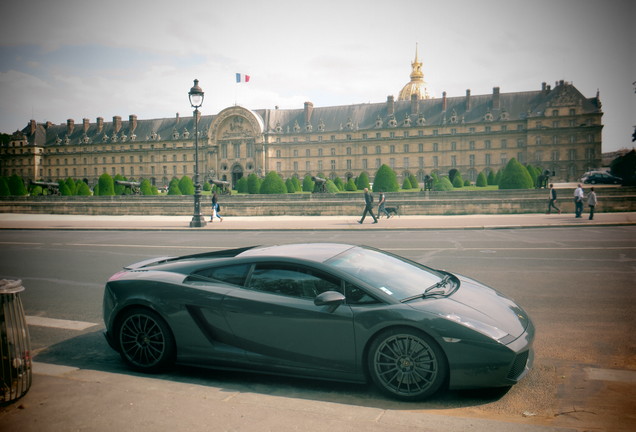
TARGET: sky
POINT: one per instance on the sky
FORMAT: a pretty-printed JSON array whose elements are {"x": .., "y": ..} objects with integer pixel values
[{"x": 75, "y": 59}]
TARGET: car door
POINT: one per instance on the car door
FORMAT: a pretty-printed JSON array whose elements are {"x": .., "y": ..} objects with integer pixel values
[{"x": 276, "y": 321}]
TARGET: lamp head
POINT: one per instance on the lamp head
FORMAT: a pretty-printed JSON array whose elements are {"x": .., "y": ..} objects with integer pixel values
[{"x": 196, "y": 95}]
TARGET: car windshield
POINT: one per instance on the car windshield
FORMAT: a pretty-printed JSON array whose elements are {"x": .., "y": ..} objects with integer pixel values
[{"x": 395, "y": 276}]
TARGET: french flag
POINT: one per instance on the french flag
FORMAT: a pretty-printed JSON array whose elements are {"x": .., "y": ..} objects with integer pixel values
[{"x": 242, "y": 78}]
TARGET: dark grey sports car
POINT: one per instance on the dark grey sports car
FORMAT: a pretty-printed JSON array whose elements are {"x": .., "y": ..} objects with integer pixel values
[{"x": 320, "y": 310}]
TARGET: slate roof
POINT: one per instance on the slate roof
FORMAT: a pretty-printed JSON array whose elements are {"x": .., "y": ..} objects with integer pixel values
[{"x": 516, "y": 106}]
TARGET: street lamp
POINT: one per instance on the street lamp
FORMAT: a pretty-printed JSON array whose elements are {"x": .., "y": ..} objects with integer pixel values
[{"x": 196, "y": 100}]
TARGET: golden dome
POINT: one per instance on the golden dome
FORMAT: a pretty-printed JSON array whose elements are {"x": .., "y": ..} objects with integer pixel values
[{"x": 417, "y": 85}]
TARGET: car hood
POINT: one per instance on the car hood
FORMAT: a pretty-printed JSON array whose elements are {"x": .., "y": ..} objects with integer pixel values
[{"x": 476, "y": 301}]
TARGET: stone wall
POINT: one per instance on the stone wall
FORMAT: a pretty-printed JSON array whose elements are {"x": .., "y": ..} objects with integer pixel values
[{"x": 611, "y": 199}]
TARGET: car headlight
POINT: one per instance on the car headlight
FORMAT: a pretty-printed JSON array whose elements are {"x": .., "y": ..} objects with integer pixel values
[{"x": 483, "y": 328}]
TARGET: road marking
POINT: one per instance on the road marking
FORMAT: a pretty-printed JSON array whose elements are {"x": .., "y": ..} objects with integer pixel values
[
  {"x": 58, "y": 323},
  {"x": 52, "y": 369},
  {"x": 596, "y": 374}
]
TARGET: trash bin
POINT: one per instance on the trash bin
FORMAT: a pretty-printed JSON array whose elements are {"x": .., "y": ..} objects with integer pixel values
[{"x": 15, "y": 345}]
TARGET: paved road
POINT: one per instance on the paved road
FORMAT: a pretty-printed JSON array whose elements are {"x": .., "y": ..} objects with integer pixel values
[{"x": 581, "y": 299}]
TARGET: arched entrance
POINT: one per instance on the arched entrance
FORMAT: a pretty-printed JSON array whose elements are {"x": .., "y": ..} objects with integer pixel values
[{"x": 237, "y": 174}]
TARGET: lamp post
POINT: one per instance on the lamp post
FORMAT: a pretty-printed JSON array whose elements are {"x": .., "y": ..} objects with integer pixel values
[{"x": 196, "y": 100}]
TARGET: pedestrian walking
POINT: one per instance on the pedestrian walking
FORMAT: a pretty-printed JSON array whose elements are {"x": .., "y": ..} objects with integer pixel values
[
  {"x": 579, "y": 196},
  {"x": 215, "y": 208},
  {"x": 368, "y": 206},
  {"x": 552, "y": 197},
  {"x": 381, "y": 206},
  {"x": 591, "y": 202}
]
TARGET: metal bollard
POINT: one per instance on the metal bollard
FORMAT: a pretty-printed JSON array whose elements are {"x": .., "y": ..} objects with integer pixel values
[{"x": 15, "y": 345}]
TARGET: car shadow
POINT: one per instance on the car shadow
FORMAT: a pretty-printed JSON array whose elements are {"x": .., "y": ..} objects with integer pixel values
[{"x": 91, "y": 351}]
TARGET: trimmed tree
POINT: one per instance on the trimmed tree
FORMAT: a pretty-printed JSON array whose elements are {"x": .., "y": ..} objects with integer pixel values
[
  {"x": 297, "y": 186},
  {"x": 253, "y": 184},
  {"x": 331, "y": 187},
  {"x": 308, "y": 184},
  {"x": 363, "y": 181},
  {"x": 385, "y": 180},
  {"x": 145, "y": 187},
  {"x": 458, "y": 181},
  {"x": 414, "y": 183},
  {"x": 289, "y": 184},
  {"x": 72, "y": 186},
  {"x": 491, "y": 178},
  {"x": 515, "y": 176},
  {"x": 64, "y": 189},
  {"x": 481, "y": 180},
  {"x": 451, "y": 175},
  {"x": 273, "y": 184},
  {"x": 106, "y": 185},
  {"x": 241, "y": 185},
  {"x": 351, "y": 185},
  {"x": 443, "y": 184},
  {"x": 173, "y": 187},
  {"x": 186, "y": 186},
  {"x": 4, "y": 187},
  {"x": 406, "y": 184},
  {"x": 16, "y": 186}
]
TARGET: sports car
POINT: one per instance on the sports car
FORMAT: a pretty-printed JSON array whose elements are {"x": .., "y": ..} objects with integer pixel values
[{"x": 319, "y": 310}]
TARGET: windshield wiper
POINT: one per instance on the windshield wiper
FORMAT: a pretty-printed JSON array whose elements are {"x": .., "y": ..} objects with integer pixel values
[{"x": 430, "y": 290}]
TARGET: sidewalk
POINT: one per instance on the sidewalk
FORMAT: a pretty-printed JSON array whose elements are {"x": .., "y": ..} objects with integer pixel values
[
  {"x": 64, "y": 398},
  {"x": 11, "y": 221}
]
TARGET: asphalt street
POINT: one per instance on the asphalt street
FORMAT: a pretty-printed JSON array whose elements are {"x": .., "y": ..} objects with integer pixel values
[{"x": 575, "y": 277}]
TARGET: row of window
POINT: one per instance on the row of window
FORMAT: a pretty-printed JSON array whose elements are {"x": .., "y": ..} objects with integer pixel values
[{"x": 555, "y": 156}]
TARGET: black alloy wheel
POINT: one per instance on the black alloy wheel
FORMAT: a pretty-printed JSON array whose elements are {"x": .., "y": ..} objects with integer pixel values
[
  {"x": 407, "y": 364},
  {"x": 146, "y": 342}
]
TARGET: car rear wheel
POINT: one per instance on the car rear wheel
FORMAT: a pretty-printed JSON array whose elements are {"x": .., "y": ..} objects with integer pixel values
[
  {"x": 407, "y": 364},
  {"x": 145, "y": 340}
]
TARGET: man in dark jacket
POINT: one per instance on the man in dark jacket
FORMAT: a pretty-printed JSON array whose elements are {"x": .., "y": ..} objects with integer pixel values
[
  {"x": 552, "y": 197},
  {"x": 368, "y": 206}
]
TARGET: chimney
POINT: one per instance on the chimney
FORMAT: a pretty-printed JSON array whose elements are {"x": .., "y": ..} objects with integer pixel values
[
  {"x": 32, "y": 126},
  {"x": 116, "y": 123},
  {"x": 415, "y": 105},
  {"x": 85, "y": 124},
  {"x": 390, "y": 105},
  {"x": 70, "y": 125},
  {"x": 495, "y": 99},
  {"x": 309, "y": 109},
  {"x": 100, "y": 124},
  {"x": 177, "y": 119},
  {"x": 467, "y": 100},
  {"x": 444, "y": 102},
  {"x": 132, "y": 122}
]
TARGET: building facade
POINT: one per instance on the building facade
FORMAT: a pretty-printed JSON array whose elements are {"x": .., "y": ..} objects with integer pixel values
[{"x": 555, "y": 128}]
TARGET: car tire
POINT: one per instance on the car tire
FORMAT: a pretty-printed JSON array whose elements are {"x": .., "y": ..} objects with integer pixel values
[
  {"x": 146, "y": 342},
  {"x": 407, "y": 364}
]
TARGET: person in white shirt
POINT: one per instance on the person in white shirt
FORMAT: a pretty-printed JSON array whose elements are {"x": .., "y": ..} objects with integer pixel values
[{"x": 578, "y": 200}]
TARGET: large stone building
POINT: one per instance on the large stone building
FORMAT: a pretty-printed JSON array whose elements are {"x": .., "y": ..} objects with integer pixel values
[{"x": 555, "y": 128}]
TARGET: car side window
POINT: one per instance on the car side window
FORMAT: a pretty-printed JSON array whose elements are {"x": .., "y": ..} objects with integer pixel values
[
  {"x": 357, "y": 296},
  {"x": 232, "y": 274},
  {"x": 291, "y": 281}
]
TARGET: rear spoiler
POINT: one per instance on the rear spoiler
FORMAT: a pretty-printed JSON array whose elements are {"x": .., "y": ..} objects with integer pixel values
[{"x": 225, "y": 253}]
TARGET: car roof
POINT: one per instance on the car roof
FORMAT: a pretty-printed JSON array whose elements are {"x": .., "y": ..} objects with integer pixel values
[{"x": 318, "y": 252}]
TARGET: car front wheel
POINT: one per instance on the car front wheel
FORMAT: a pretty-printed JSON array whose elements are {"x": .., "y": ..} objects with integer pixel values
[
  {"x": 145, "y": 340},
  {"x": 407, "y": 364}
]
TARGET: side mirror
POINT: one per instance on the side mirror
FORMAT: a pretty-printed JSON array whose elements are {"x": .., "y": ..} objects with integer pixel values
[{"x": 329, "y": 298}]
